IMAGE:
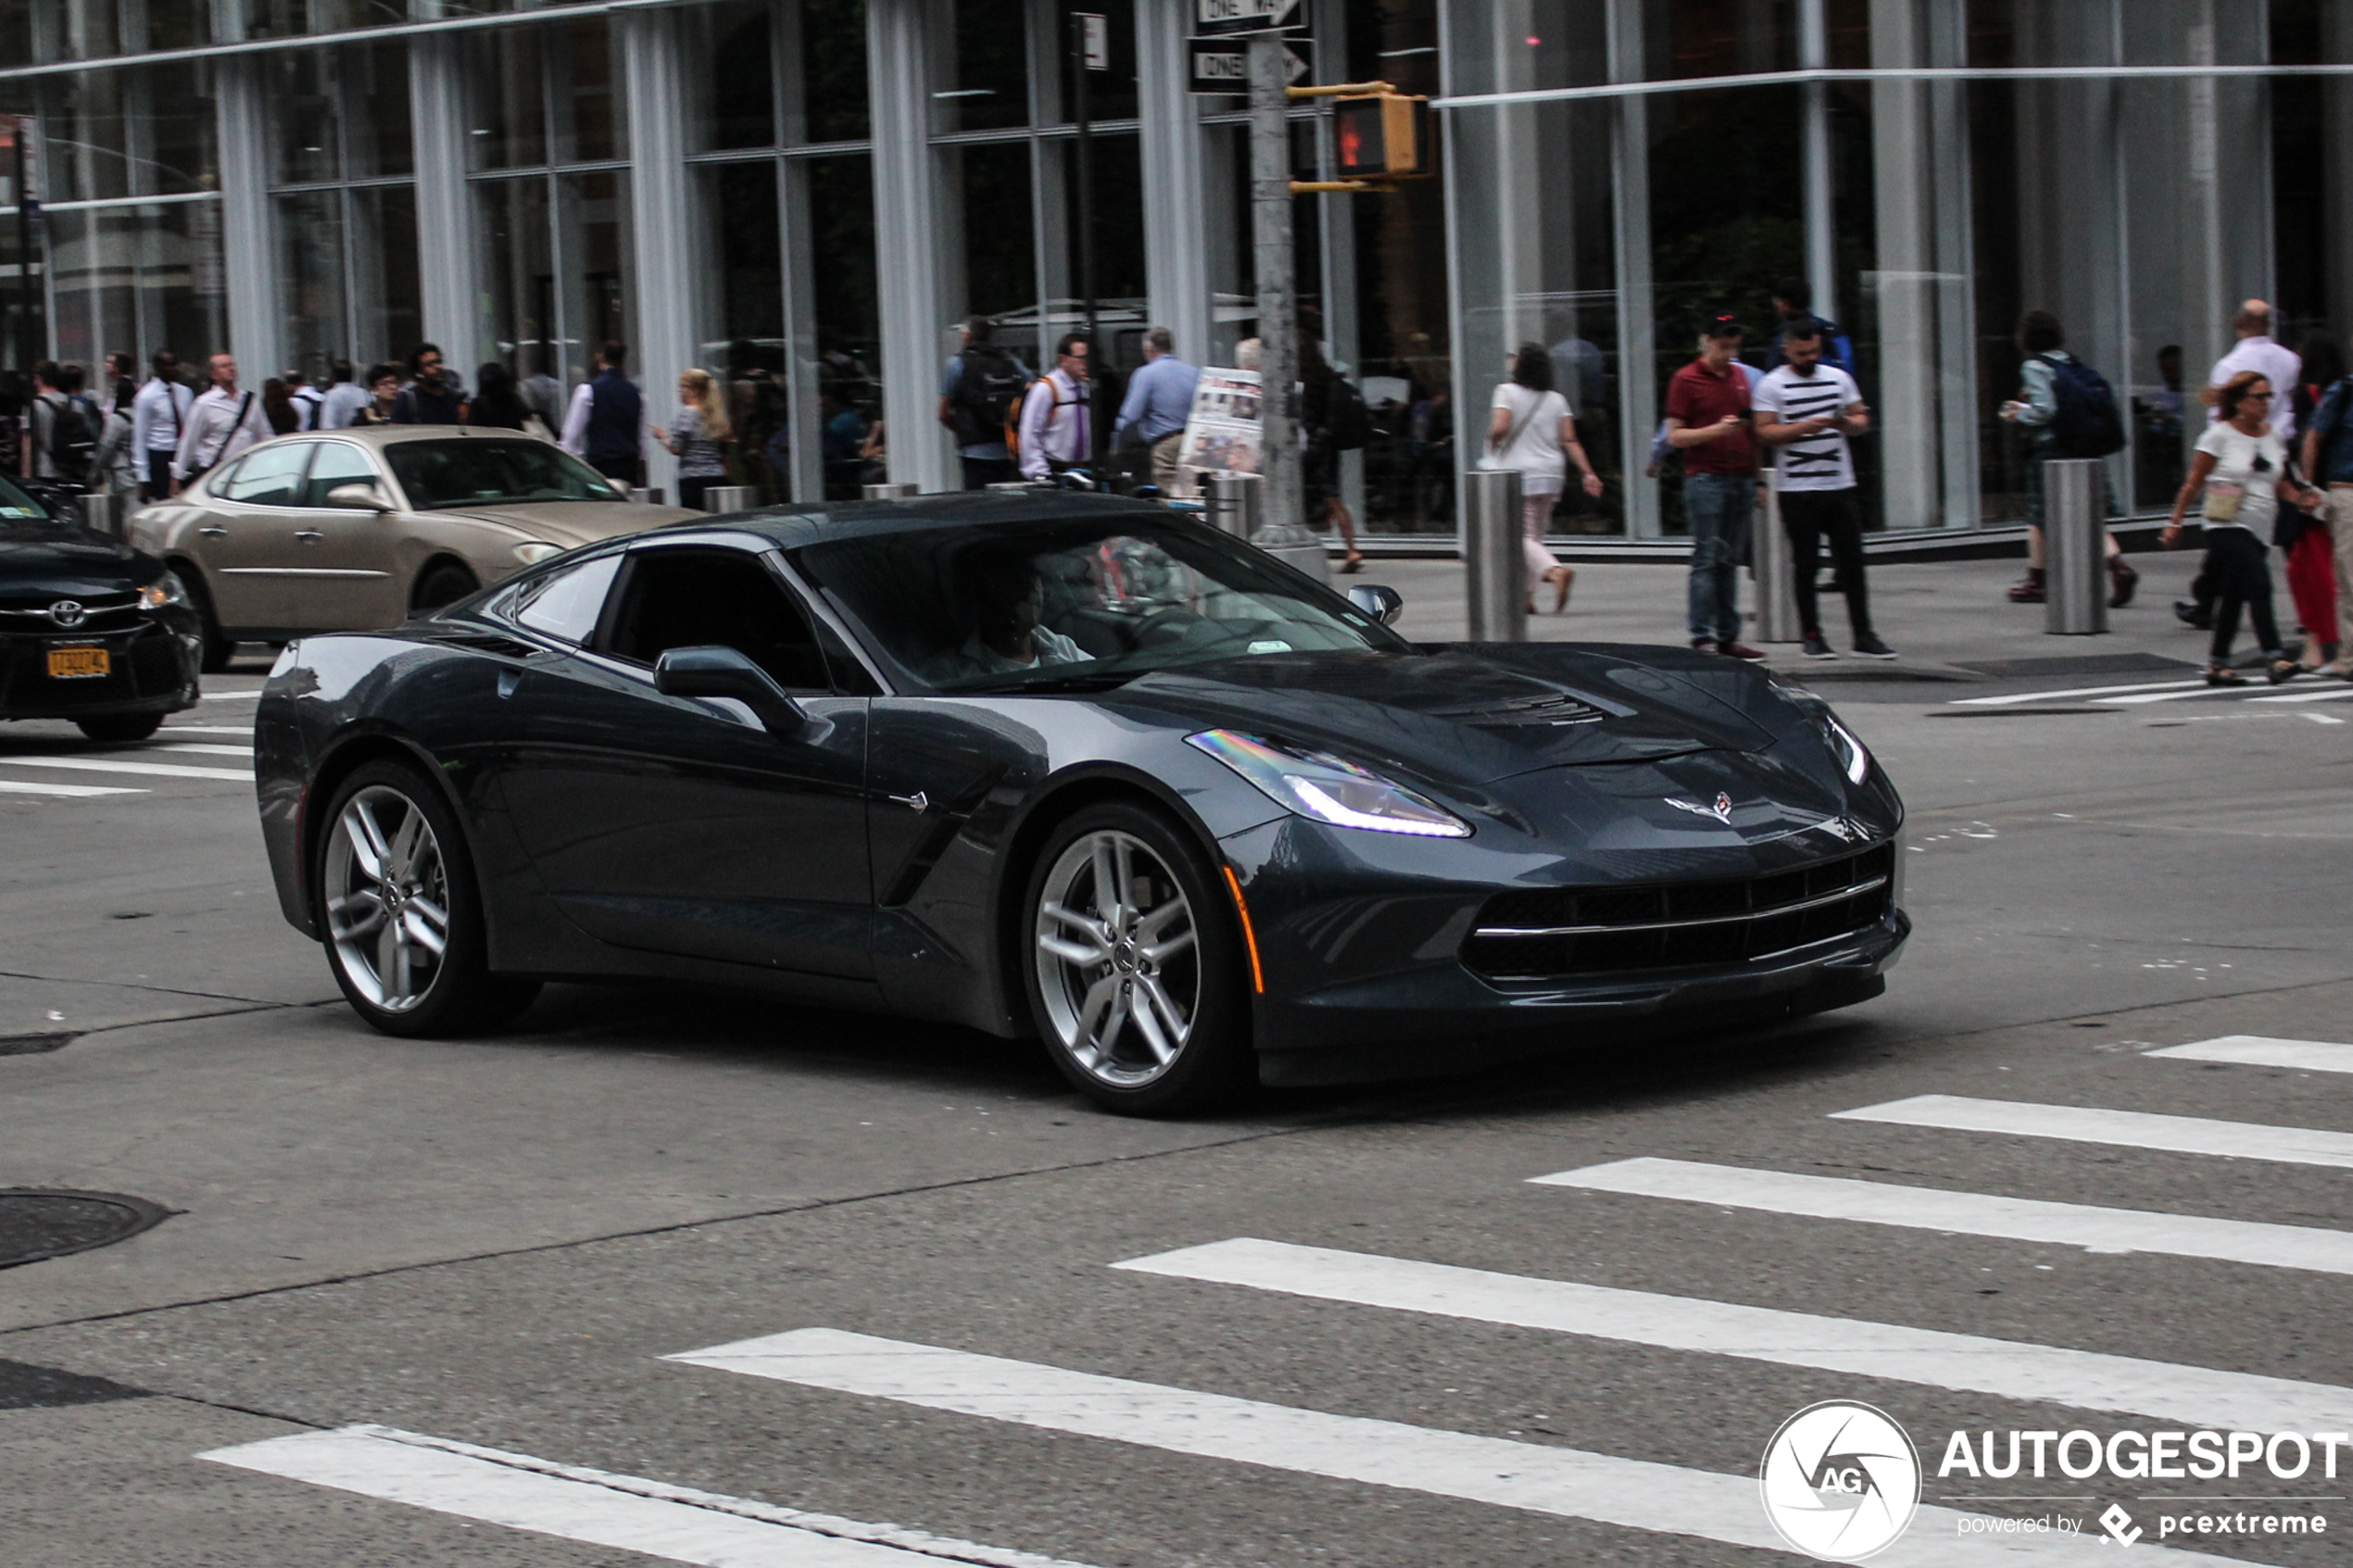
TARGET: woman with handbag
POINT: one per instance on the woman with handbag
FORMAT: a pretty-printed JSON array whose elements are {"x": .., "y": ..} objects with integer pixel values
[
  {"x": 2241, "y": 463},
  {"x": 1533, "y": 430}
]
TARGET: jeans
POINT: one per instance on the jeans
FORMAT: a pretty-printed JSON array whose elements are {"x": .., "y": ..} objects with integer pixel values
[
  {"x": 1718, "y": 506},
  {"x": 692, "y": 491},
  {"x": 1809, "y": 517},
  {"x": 2243, "y": 570},
  {"x": 982, "y": 472}
]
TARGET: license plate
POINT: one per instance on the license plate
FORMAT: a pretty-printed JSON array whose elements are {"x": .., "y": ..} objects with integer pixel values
[{"x": 79, "y": 664}]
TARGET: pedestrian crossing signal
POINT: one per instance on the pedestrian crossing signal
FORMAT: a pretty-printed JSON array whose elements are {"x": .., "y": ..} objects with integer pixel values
[{"x": 1384, "y": 135}]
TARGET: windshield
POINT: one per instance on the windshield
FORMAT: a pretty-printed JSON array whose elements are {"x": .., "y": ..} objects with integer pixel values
[
  {"x": 477, "y": 473},
  {"x": 21, "y": 517},
  {"x": 1077, "y": 602}
]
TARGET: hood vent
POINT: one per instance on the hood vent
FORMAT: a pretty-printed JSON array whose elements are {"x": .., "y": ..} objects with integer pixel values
[{"x": 1545, "y": 709}]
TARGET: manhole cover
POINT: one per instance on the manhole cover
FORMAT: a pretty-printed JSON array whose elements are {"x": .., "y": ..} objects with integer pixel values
[{"x": 37, "y": 1223}]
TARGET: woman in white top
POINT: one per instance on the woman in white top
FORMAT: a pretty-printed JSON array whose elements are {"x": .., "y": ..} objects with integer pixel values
[
  {"x": 2242, "y": 465},
  {"x": 1533, "y": 430}
]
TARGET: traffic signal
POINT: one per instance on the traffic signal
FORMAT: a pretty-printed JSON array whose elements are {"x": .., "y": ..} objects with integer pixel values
[{"x": 1382, "y": 135}]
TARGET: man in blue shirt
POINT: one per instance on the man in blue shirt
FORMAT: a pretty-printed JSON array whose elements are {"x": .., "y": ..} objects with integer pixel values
[
  {"x": 1159, "y": 396},
  {"x": 978, "y": 395},
  {"x": 2328, "y": 459}
]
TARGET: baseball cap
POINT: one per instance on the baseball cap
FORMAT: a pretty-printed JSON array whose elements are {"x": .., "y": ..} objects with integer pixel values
[{"x": 1726, "y": 324}]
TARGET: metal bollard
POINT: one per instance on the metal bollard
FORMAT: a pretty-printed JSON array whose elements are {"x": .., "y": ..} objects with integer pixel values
[
  {"x": 2074, "y": 546},
  {"x": 1495, "y": 569},
  {"x": 106, "y": 513},
  {"x": 898, "y": 492},
  {"x": 1234, "y": 503},
  {"x": 730, "y": 498},
  {"x": 647, "y": 496},
  {"x": 1775, "y": 574}
]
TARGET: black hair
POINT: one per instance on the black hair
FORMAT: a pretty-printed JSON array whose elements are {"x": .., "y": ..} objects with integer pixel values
[
  {"x": 377, "y": 372},
  {"x": 417, "y": 354},
  {"x": 338, "y": 371},
  {"x": 2323, "y": 363},
  {"x": 1800, "y": 330},
  {"x": 2039, "y": 331},
  {"x": 981, "y": 328},
  {"x": 1794, "y": 291},
  {"x": 1533, "y": 367},
  {"x": 1067, "y": 342},
  {"x": 615, "y": 353},
  {"x": 496, "y": 401}
]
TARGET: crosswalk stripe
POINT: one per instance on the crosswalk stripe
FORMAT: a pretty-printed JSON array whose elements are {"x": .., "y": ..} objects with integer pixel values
[
  {"x": 2254, "y": 1050},
  {"x": 2335, "y": 693},
  {"x": 210, "y": 751},
  {"x": 111, "y": 765},
  {"x": 2043, "y": 1373},
  {"x": 1541, "y": 1478},
  {"x": 2178, "y": 696},
  {"x": 231, "y": 697},
  {"x": 75, "y": 792},
  {"x": 2017, "y": 1219},
  {"x": 620, "y": 1511},
  {"x": 2009, "y": 699},
  {"x": 2132, "y": 1129},
  {"x": 208, "y": 729}
]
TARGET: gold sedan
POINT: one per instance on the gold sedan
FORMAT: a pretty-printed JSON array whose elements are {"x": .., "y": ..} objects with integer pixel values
[{"x": 342, "y": 530}]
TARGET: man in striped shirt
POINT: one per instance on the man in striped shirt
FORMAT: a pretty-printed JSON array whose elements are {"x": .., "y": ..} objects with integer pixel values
[{"x": 1806, "y": 410}]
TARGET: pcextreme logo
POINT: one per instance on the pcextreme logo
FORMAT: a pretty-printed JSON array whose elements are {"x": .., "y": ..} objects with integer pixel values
[{"x": 1840, "y": 1481}]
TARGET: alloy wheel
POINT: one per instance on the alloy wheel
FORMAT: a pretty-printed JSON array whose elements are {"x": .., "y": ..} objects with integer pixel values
[
  {"x": 1118, "y": 964},
  {"x": 387, "y": 899}
]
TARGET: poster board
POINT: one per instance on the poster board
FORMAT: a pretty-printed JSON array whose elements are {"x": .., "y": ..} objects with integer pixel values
[{"x": 1221, "y": 430}]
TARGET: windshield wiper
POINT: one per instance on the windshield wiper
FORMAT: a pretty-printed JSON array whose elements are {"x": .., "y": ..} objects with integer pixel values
[{"x": 1098, "y": 681}]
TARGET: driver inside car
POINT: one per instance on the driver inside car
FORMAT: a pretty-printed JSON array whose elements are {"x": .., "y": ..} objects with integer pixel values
[{"x": 1003, "y": 595}]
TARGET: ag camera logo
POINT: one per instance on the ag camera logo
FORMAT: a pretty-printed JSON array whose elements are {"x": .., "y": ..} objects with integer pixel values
[{"x": 1840, "y": 1481}]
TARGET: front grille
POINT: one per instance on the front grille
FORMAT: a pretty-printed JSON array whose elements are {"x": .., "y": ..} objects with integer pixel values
[
  {"x": 102, "y": 613},
  {"x": 1544, "y": 933}
]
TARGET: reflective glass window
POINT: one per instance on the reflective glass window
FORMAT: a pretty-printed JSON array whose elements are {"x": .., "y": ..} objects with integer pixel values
[
  {"x": 337, "y": 463},
  {"x": 271, "y": 477}
]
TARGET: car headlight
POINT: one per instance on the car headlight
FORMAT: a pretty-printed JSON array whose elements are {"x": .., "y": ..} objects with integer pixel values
[
  {"x": 164, "y": 590},
  {"x": 1330, "y": 789},
  {"x": 537, "y": 550},
  {"x": 1853, "y": 759}
]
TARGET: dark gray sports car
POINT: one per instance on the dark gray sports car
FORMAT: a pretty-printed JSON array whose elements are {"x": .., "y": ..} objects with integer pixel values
[{"x": 1071, "y": 766}]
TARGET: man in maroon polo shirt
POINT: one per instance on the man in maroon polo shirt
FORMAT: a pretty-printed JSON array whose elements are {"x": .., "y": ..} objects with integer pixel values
[{"x": 1708, "y": 421}]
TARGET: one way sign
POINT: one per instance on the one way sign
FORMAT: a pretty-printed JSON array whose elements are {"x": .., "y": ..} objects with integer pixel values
[
  {"x": 1248, "y": 16},
  {"x": 1222, "y": 65}
]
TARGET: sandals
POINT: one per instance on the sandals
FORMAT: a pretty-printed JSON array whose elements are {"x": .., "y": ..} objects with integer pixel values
[
  {"x": 1567, "y": 581},
  {"x": 2285, "y": 669},
  {"x": 1352, "y": 565},
  {"x": 2223, "y": 676}
]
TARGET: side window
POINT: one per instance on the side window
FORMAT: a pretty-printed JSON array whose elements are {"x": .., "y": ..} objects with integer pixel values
[
  {"x": 686, "y": 598},
  {"x": 338, "y": 462},
  {"x": 566, "y": 604},
  {"x": 271, "y": 478}
]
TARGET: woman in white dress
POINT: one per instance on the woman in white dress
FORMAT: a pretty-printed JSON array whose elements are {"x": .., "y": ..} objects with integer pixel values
[
  {"x": 1533, "y": 430},
  {"x": 2241, "y": 463}
]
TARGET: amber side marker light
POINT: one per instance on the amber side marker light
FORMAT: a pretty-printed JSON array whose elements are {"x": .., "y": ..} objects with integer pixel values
[{"x": 1249, "y": 935}]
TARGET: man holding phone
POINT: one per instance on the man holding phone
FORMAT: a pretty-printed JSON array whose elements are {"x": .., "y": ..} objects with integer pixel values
[{"x": 1708, "y": 421}]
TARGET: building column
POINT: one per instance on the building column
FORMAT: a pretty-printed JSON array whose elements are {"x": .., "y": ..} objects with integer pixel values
[
  {"x": 248, "y": 256},
  {"x": 1821, "y": 234},
  {"x": 1638, "y": 401},
  {"x": 1905, "y": 404},
  {"x": 1175, "y": 207},
  {"x": 907, "y": 260},
  {"x": 667, "y": 282},
  {"x": 444, "y": 207}
]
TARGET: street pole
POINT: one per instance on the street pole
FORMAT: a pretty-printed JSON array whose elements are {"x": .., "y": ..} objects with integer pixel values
[
  {"x": 23, "y": 334},
  {"x": 1085, "y": 172},
  {"x": 1277, "y": 328}
]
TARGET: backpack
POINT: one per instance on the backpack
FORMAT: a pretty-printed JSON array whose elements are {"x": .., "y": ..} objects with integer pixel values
[
  {"x": 989, "y": 389},
  {"x": 73, "y": 438},
  {"x": 1348, "y": 424},
  {"x": 2086, "y": 425},
  {"x": 1055, "y": 404}
]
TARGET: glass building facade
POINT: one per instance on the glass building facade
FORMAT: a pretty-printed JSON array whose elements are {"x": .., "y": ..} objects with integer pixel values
[{"x": 805, "y": 195}]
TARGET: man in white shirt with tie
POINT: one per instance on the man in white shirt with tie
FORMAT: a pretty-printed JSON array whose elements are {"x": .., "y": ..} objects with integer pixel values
[
  {"x": 222, "y": 424},
  {"x": 1053, "y": 414},
  {"x": 159, "y": 415}
]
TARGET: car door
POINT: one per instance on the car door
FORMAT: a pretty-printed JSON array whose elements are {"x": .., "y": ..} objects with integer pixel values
[
  {"x": 349, "y": 557},
  {"x": 248, "y": 539},
  {"x": 681, "y": 825}
]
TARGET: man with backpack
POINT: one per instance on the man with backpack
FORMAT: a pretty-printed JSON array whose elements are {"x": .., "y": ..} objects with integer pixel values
[
  {"x": 2068, "y": 410},
  {"x": 979, "y": 398},
  {"x": 2328, "y": 462},
  {"x": 1054, "y": 433},
  {"x": 64, "y": 427}
]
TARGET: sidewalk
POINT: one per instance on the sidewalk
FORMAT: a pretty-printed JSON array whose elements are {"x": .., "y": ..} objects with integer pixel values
[{"x": 1947, "y": 619}]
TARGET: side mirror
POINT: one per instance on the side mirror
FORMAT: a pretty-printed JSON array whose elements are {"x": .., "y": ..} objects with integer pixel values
[
  {"x": 1383, "y": 603},
  {"x": 619, "y": 487},
  {"x": 359, "y": 498},
  {"x": 716, "y": 670}
]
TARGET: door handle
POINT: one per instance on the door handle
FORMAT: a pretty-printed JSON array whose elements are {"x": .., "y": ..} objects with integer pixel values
[
  {"x": 213, "y": 532},
  {"x": 308, "y": 533}
]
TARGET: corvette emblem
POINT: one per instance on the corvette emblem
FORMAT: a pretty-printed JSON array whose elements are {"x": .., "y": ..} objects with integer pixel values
[{"x": 1721, "y": 810}]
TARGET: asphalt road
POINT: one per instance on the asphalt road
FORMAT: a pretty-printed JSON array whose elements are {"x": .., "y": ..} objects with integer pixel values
[{"x": 500, "y": 1242}]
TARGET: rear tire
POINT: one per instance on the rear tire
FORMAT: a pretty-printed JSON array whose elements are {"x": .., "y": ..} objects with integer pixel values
[
  {"x": 217, "y": 650},
  {"x": 119, "y": 727},
  {"x": 443, "y": 584},
  {"x": 1137, "y": 977},
  {"x": 400, "y": 914}
]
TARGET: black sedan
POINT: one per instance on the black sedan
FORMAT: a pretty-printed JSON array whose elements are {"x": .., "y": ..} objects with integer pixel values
[
  {"x": 1070, "y": 766},
  {"x": 90, "y": 629}
]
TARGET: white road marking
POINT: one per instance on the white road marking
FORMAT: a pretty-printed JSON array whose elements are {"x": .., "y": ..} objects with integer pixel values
[
  {"x": 1538, "y": 1477},
  {"x": 111, "y": 765},
  {"x": 1969, "y": 1213},
  {"x": 208, "y": 730},
  {"x": 2254, "y": 1050},
  {"x": 2245, "y": 691},
  {"x": 620, "y": 1511},
  {"x": 2332, "y": 694},
  {"x": 2132, "y": 1129},
  {"x": 232, "y": 696},
  {"x": 210, "y": 751},
  {"x": 2011, "y": 699},
  {"x": 2042, "y": 1374},
  {"x": 77, "y": 792}
]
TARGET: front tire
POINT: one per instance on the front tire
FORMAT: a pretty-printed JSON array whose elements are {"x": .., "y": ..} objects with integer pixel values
[
  {"x": 119, "y": 727},
  {"x": 442, "y": 585},
  {"x": 1135, "y": 971},
  {"x": 215, "y": 650},
  {"x": 401, "y": 916}
]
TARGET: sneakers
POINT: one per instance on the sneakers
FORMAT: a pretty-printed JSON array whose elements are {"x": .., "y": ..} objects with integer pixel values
[
  {"x": 1740, "y": 650},
  {"x": 1817, "y": 646},
  {"x": 1868, "y": 646},
  {"x": 2188, "y": 613},
  {"x": 2028, "y": 590},
  {"x": 1703, "y": 644}
]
